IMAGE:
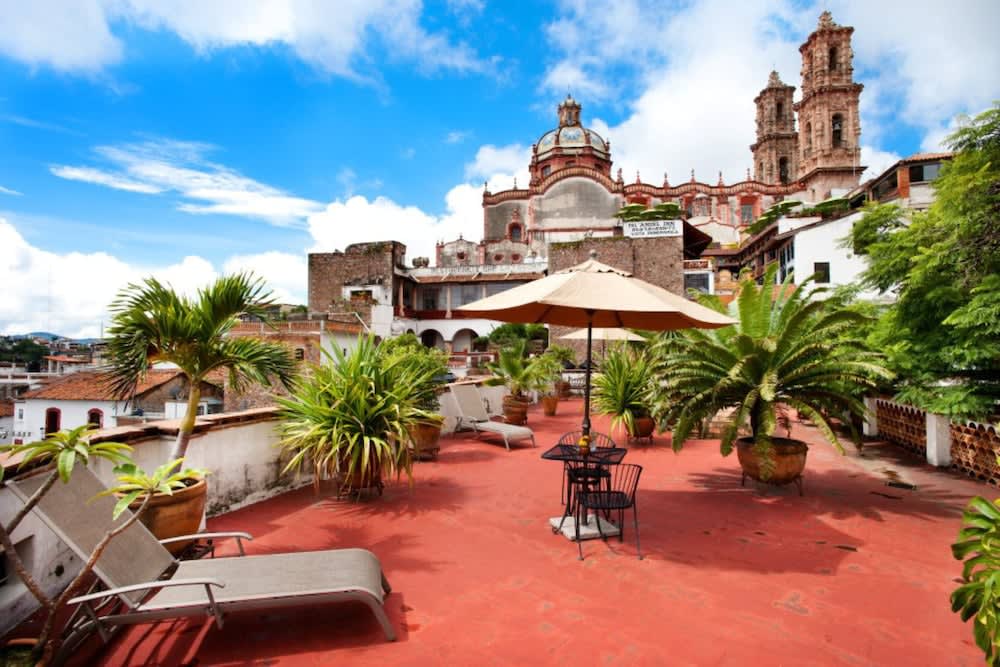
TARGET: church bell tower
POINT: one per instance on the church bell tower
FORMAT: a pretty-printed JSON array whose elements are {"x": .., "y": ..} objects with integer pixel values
[
  {"x": 776, "y": 151},
  {"x": 829, "y": 124}
]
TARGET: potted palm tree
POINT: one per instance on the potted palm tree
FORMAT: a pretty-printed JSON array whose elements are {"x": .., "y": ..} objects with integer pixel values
[
  {"x": 56, "y": 457},
  {"x": 352, "y": 418},
  {"x": 431, "y": 365},
  {"x": 521, "y": 375},
  {"x": 151, "y": 323},
  {"x": 788, "y": 348},
  {"x": 620, "y": 390}
]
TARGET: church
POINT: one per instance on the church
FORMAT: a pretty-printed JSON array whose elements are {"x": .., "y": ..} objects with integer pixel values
[{"x": 806, "y": 150}]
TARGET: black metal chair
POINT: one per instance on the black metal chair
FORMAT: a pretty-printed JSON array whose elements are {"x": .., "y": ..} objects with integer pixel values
[
  {"x": 574, "y": 474},
  {"x": 619, "y": 496}
]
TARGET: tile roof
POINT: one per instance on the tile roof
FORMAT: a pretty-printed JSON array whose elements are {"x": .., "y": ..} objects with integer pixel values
[
  {"x": 6, "y": 408},
  {"x": 65, "y": 359},
  {"x": 90, "y": 386}
]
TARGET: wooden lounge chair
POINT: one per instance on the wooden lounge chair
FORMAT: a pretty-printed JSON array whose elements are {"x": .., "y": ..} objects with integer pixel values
[
  {"x": 144, "y": 582},
  {"x": 473, "y": 413}
]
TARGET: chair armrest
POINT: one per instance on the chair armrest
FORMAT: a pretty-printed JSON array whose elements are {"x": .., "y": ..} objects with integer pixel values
[
  {"x": 239, "y": 536},
  {"x": 149, "y": 585}
]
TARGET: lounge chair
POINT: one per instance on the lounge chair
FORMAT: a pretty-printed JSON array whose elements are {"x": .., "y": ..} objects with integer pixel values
[
  {"x": 145, "y": 583},
  {"x": 473, "y": 413}
]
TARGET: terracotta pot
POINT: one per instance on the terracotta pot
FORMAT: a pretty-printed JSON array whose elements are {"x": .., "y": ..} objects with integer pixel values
[
  {"x": 515, "y": 410},
  {"x": 549, "y": 405},
  {"x": 644, "y": 427},
  {"x": 175, "y": 515},
  {"x": 789, "y": 460},
  {"x": 563, "y": 389},
  {"x": 358, "y": 483},
  {"x": 425, "y": 439}
]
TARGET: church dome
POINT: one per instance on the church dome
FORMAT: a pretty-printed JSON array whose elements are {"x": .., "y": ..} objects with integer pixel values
[{"x": 570, "y": 136}]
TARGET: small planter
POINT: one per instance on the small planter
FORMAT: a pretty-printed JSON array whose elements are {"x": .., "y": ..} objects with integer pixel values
[
  {"x": 175, "y": 515},
  {"x": 425, "y": 439},
  {"x": 644, "y": 427},
  {"x": 549, "y": 405},
  {"x": 563, "y": 389},
  {"x": 789, "y": 461},
  {"x": 515, "y": 410}
]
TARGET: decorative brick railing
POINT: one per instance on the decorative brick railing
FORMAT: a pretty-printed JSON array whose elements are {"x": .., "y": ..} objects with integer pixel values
[
  {"x": 974, "y": 450},
  {"x": 902, "y": 424}
]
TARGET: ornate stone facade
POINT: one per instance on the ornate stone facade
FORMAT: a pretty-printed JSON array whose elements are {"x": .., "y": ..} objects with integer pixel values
[
  {"x": 776, "y": 151},
  {"x": 829, "y": 123}
]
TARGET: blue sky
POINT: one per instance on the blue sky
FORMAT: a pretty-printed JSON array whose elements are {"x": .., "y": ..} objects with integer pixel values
[{"x": 187, "y": 139}]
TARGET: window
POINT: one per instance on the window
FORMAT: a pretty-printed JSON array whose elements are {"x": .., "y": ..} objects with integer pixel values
[
  {"x": 822, "y": 271},
  {"x": 885, "y": 186},
  {"x": 515, "y": 233},
  {"x": 463, "y": 294},
  {"x": 300, "y": 354},
  {"x": 779, "y": 111},
  {"x": 924, "y": 172},
  {"x": 460, "y": 255},
  {"x": 95, "y": 417},
  {"x": 430, "y": 298},
  {"x": 546, "y": 170},
  {"x": 53, "y": 419},
  {"x": 837, "y": 124},
  {"x": 783, "y": 170},
  {"x": 696, "y": 281},
  {"x": 20, "y": 414},
  {"x": 746, "y": 213},
  {"x": 832, "y": 56}
]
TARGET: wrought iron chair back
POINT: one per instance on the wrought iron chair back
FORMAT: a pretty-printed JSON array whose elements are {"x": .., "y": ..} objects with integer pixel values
[
  {"x": 598, "y": 440},
  {"x": 619, "y": 496}
]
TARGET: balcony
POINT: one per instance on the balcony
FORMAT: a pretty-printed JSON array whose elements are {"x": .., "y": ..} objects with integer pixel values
[{"x": 479, "y": 578}]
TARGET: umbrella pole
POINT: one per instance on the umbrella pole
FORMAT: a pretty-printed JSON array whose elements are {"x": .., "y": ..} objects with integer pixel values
[{"x": 586, "y": 386}]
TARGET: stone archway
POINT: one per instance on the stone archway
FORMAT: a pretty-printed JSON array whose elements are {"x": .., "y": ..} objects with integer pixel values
[
  {"x": 462, "y": 340},
  {"x": 432, "y": 338}
]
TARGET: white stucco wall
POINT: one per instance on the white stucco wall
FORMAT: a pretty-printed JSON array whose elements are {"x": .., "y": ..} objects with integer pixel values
[
  {"x": 823, "y": 243},
  {"x": 74, "y": 413}
]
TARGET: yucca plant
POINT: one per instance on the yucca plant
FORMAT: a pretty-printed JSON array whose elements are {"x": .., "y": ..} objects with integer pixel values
[
  {"x": 788, "y": 348},
  {"x": 63, "y": 451},
  {"x": 353, "y": 414},
  {"x": 519, "y": 373},
  {"x": 978, "y": 598},
  {"x": 621, "y": 389}
]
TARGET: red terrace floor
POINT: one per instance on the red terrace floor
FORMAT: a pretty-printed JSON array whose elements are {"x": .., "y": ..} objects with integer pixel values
[{"x": 856, "y": 572}]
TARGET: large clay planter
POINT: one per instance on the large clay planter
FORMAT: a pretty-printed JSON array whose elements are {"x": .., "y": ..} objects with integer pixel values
[
  {"x": 356, "y": 483},
  {"x": 644, "y": 427},
  {"x": 789, "y": 461},
  {"x": 175, "y": 515},
  {"x": 549, "y": 405},
  {"x": 563, "y": 389},
  {"x": 425, "y": 438},
  {"x": 515, "y": 410}
]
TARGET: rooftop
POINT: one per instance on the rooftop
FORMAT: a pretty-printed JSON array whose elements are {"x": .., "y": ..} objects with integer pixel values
[
  {"x": 90, "y": 386},
  {"x": 854, "y": 571}
]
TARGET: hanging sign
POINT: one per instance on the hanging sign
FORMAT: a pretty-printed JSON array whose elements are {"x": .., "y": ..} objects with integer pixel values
[{"x": 644, "y": 229}]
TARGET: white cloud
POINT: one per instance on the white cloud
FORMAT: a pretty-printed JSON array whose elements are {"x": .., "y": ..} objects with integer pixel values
[
  {"x": 877, "y": 161},
  {"x": 500, "y": 162},
  {"x": 456, "y": 136},
  {"x": 98, "y": 177},
  {"x": 8, "y": 191},
  {"x": 163, "y": 165},
  {"x": 69, "y": 293},
  {"x": 286, "y": 274},
  {"x": 337, "y": 39}
]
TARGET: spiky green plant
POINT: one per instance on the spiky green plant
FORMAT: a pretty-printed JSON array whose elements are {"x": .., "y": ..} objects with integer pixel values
[
  {"x": 152, "y": 323},
  {"x": 622, "y": 386},
  {"x": 64, "y": 450},
  {"x": 353, "y": 414},
  {"x": 978, "y": 597},
  {"x": 519, "y": 373},
  {"x": 787, "y": 349}
]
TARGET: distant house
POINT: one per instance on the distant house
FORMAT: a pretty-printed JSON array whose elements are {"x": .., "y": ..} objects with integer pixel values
[
  {"x": 83, "y": 397},
  {"x": 6, "y": 421}
]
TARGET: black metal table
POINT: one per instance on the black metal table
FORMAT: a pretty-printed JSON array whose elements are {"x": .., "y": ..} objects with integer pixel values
[{"x": 596, "y": 457}]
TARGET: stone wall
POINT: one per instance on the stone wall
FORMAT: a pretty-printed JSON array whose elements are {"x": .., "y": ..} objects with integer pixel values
[
  {"x": 175, "y": 389},
  {"x": 360, "y": 264}
]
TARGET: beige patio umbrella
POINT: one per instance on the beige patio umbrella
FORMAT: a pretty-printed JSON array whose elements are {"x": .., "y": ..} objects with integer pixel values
[
  {"x": 605, "y": 335},
  {"x": 591, "y": 295}
]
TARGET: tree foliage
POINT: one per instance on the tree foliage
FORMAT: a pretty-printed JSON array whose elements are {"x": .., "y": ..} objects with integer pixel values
[{"x": 942, "y": 334}]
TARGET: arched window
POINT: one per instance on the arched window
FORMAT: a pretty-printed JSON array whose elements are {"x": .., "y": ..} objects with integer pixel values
[
  {"x": 95, "y": 417},
  {"x": 53, "y": 420},
  {"x": 837, "y": 125},
  {"x": 760, "y": 170},
  {"x": 515, "y": 232},
  {"x": 809, "y": 136},
  {"x": 779, "y": 111},
  {"x": 783, "y": 170},
  {"x": 300, "y": 354},
  {"x": 832, "y": 57}
]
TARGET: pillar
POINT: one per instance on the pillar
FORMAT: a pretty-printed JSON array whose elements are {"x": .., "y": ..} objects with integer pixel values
[
  {"x": 870, "y": 426},
  {"x": 938, "y": 440}
]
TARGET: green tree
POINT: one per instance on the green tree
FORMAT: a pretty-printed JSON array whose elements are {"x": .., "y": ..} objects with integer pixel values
[
  {"x": 152, "y": 323},
  {"x": 942, "y": 334}
]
